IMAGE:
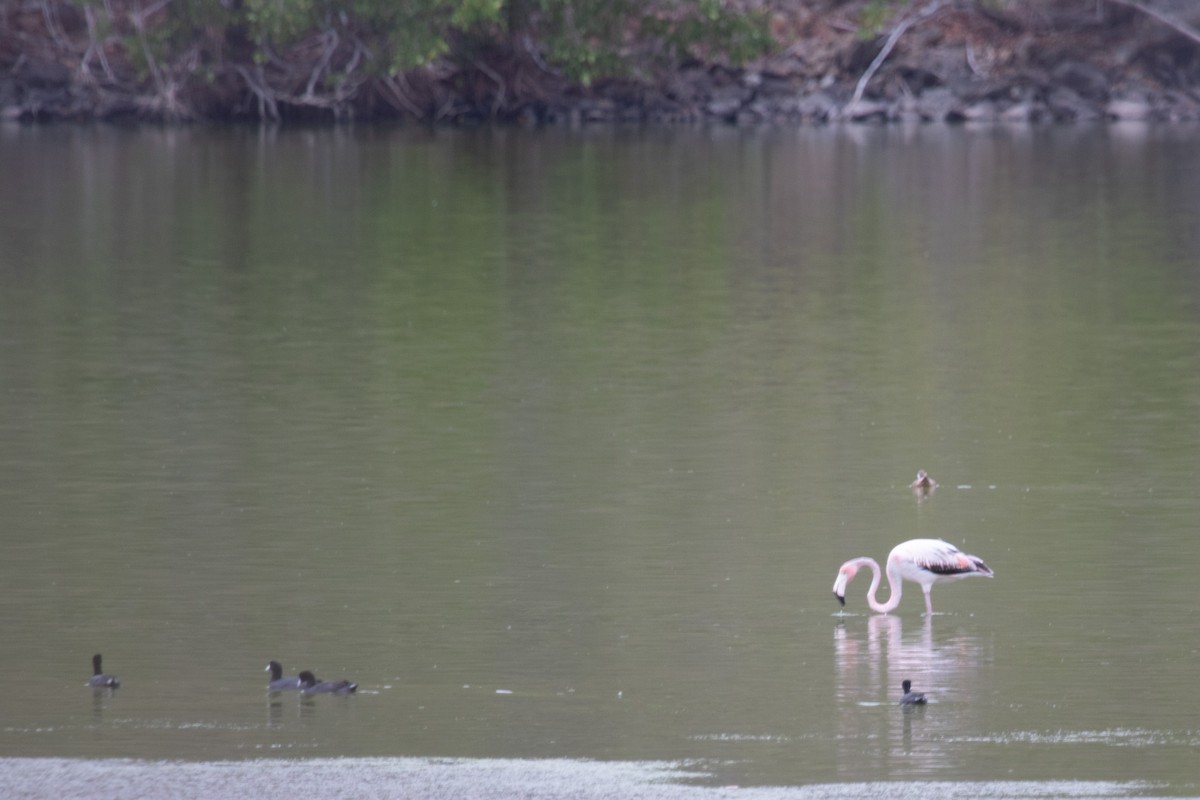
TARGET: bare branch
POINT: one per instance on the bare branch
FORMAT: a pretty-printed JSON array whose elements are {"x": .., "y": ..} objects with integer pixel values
[
  {"x": 925, "y": 13},
  {"x": 268, "y": 109},
  {"x": 501, "y": 87},
  {"x": 1178, "y": 25},
  {"x": 398, "y": 90},
  {"x": 52, "y": 25},
  {"x": 95, "y": 46},
  {"x": 973, "y": 63},
  {"x": 331, "y": 44}
]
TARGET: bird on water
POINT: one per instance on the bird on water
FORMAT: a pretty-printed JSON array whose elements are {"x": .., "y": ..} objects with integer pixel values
[
  {"x": 911, "y": 698},
  {"x": 99, "y": 680},
  {"x": 278, "y": 683},
  {"x": 923, "y": 561},
  {"x": 923, "y": 481},
  {"x": 310, "y": 685}
]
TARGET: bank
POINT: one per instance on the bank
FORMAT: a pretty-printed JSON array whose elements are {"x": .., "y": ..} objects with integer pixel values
[{"x": 928, "y": 62}]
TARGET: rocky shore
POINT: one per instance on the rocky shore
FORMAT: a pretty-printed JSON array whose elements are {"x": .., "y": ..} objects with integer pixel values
[{"x": 937, "y": 62}]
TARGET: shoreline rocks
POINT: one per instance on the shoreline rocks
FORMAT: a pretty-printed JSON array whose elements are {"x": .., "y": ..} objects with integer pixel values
[{"x": 958, "y": 66}]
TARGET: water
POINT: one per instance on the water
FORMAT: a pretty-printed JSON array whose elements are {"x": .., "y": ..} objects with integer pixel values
[{"x": 554, "y": 442}]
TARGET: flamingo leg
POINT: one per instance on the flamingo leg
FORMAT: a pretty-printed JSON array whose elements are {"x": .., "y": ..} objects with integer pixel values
[{"x": 928, "y": 602}]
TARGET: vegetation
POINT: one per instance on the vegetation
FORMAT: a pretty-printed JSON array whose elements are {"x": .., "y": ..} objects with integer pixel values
[
  {"x": 466, "y": 60},
  {"x": 321, "y": 53}
]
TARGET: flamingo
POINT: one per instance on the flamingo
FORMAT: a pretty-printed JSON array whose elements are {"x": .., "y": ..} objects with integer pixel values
[{"x": 925, "y": 561}]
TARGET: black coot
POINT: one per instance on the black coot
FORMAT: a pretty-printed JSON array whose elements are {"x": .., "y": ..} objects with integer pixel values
[
  {"x": 99, "y": 679},
  {"x": 279, "y": 683},
  {"x": 310, "y": 685},
  {"x": 911, "y": 698}
]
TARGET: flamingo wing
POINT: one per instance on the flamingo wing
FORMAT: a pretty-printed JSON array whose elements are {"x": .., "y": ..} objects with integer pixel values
[{"x": 939, "y": 558}]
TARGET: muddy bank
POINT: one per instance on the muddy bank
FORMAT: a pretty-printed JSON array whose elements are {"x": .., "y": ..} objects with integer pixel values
[{"x": 937, "y": 62}]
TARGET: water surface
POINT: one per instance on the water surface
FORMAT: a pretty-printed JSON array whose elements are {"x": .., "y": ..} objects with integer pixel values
[{"x": 554, "y": 442}]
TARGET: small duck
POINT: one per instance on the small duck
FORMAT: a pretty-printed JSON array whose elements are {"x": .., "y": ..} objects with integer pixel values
[
  {"x": 278, "y": 683},
  {"x": 911, "y": 698},
  {"x": 99, "y": 680},
  {"x": 923, "y": 483},
  {"x": 310, "y": 685}
]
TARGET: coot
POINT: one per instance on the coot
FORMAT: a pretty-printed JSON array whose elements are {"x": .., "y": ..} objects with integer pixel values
[
  {"x": 911, "y": 698},
  {"x": 310, "y": 685},
  {"x": 279, "y": 683},
  {"x": 99, "y": 679}
]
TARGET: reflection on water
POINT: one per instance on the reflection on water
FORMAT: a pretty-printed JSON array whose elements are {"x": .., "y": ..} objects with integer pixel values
[
  {"x": 101, "y": 698},
  {"x": 274, "y": 713},
  {"x": 872, "y": 655}
]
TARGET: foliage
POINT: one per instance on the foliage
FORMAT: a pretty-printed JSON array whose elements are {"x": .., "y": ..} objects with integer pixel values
[
  {"x": 707, "y": 27},
  {"x": 874, "y": 15},
  {"x": 585, "y": 39}
]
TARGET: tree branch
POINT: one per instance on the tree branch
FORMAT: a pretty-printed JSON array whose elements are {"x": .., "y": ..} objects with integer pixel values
[
  {"x": 1179, "y": 26},
  {"x": 268, "y": 109},
  {"x": 498, "y": 100},
  {"x": 398, "y": 91},
  {"x": 331, "y": 44},
  {"x": 925, "y": 13}
]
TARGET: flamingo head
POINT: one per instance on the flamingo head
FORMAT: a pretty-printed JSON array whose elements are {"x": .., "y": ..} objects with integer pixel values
[{"x": 845, "y": 575}]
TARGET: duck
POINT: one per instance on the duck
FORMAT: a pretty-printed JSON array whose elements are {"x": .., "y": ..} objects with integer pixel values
[
  {"x": 310, "y": 685},
  {"x": 278, "y": 683},
  {"x": 923, "y": 483},
  {"x": 911, "y": 698},
  {"x": 99, "y": 680}
]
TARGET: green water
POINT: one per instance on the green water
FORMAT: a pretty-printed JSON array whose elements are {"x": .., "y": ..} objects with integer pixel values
[{"x": 554, "y": 442}]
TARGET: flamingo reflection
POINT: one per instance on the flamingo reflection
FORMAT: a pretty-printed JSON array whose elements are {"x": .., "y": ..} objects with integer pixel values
[{"x": 872, "y": 655}]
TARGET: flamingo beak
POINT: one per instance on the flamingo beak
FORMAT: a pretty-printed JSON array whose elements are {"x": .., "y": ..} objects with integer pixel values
[{"x": 839, "y": 587}]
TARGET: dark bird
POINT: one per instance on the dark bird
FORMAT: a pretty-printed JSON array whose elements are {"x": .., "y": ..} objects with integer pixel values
[
  {"x": 99, "y": 679},
  {"x": 310, "y": 685},
  {"x": 278, "y": 683},
  {"x": 911, "y": 698}
]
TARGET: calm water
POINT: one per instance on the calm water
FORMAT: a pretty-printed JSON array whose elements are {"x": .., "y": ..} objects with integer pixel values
[{"x": 554, "y": 442}]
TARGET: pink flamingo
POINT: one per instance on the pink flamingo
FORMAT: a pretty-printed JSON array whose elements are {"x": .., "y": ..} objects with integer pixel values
[{"x": 924, "y": 561}]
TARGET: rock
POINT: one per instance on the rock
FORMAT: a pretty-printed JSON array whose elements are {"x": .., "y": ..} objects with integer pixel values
[
  {"x": 1021, "y": 111},
  {"x": 725, "y": 103},
  {"x": 9, "y": 93},
  {"x": 1129, "y": 109},
  {"x": 41, "y": 74},
  {"x": 816, "y": 107},
  {"x": 938, "y": 105},
  {"x": 983, "y": 111},
  {"x": 775, "y": 86},
  {"x": 1066, "y": 104},
  {"x": 1180, "y": 106},
  {"x": 868, "y": 111},
  {"x": 1084, "y": 79}
]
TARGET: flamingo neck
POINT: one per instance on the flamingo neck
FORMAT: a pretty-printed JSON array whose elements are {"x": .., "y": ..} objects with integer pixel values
[{"x": 896, "y": 589}]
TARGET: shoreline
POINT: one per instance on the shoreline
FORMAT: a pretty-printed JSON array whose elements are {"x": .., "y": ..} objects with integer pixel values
[
  {"x": 482, "y": 779},
  {"x": 945, "y": 63}
]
